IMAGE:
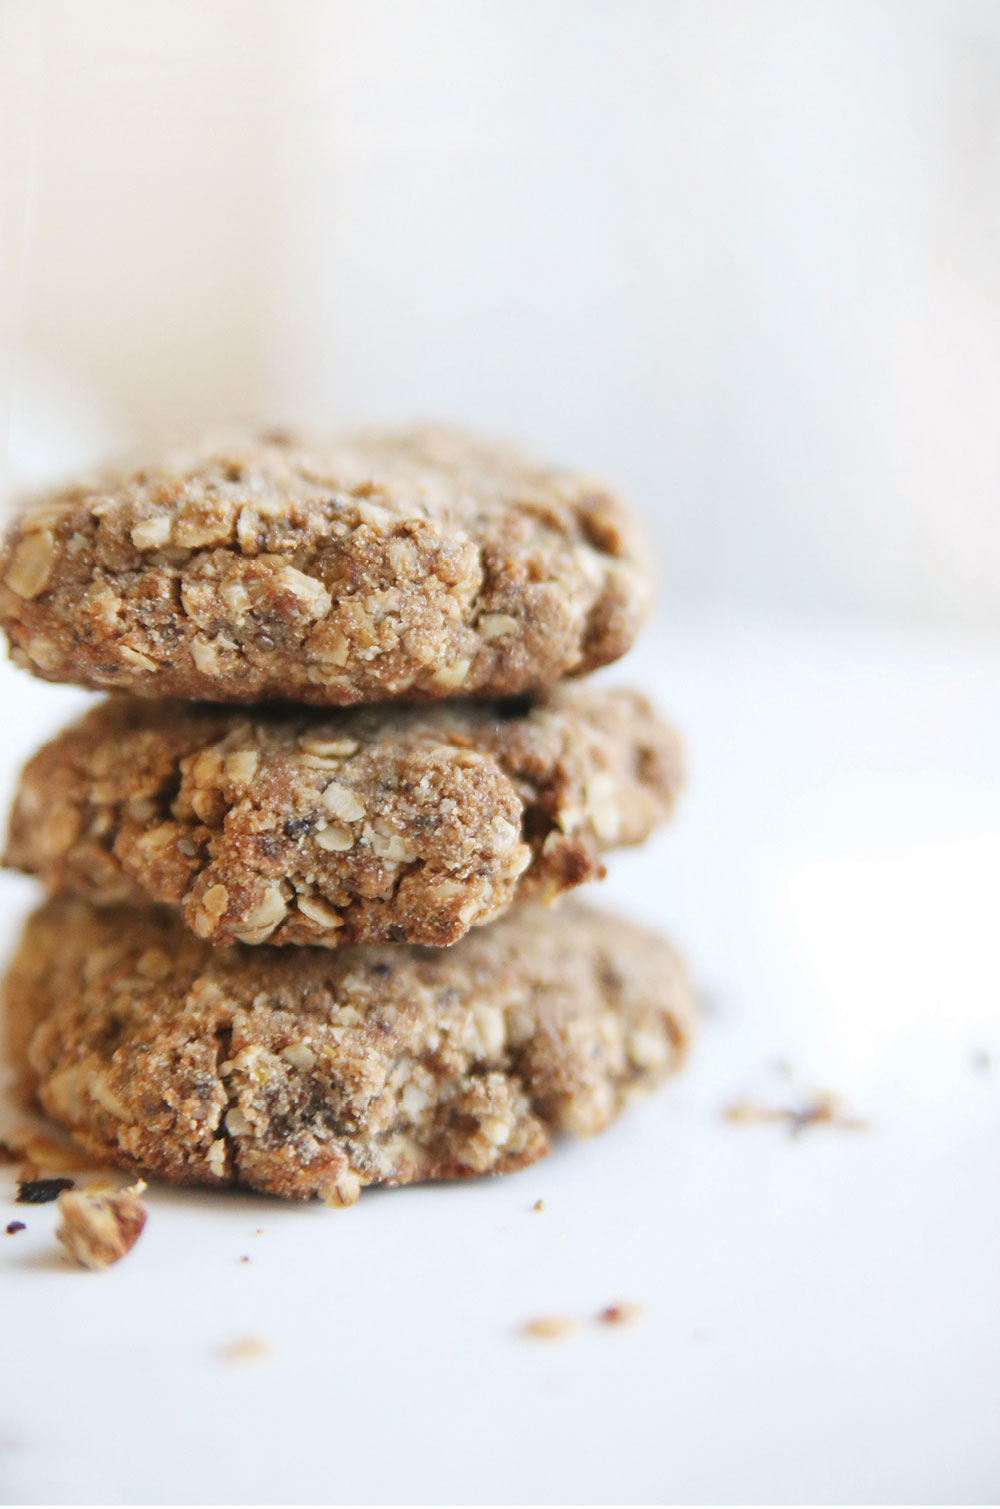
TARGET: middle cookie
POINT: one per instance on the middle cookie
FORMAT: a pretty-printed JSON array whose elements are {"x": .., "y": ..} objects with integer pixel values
[{"x": 383, "y": 824}]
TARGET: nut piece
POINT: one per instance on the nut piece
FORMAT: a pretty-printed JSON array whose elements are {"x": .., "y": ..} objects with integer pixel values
[
  {"x": 137, "y": 658},
  {"x": 312, "y": 595},
  {"x": 256, "y": 924},
  {"x": 151, "y": 534},
  {"x": 241, "y": 767},
  {"x": 344, "y": 1190},
  {"x": 497, "y": 625},
  {"x": 330, "y": 749},
  {"x": 342, "y": 802},
  {"x": 319, "y": 912},
  {"x": 31, "y": 567},
  {"x": 335, "y": 838},
  {"x": 216, "y": 900},
  {"x": 205, "y": 654},
  {"x": 98, "y": 1229},
  {"x": 450, "y": 676}
]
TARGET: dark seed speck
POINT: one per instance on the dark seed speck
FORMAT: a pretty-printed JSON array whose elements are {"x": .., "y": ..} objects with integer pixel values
[{"x": 41, "y": 1191}]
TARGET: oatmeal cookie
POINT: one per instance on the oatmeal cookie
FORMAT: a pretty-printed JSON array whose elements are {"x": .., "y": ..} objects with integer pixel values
[
  {"x": 359, "y": 826},
  {"x": 309, "y": 1073},
  {"x": 417, "y": 565}
]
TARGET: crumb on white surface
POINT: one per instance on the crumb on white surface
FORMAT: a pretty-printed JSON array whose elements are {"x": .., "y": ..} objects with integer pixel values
[
  {"x": 245, "y": 1349},
  {"x": 619, "y": 1314},
  {"x": 549, "y": 1327},
  {"x": 98, "y": 1228}
]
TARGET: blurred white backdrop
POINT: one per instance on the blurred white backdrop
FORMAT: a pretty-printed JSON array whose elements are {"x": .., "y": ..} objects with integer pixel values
[{"x": 741, "y": 256}]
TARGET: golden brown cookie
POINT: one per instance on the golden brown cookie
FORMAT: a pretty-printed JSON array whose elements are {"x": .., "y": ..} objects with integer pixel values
[
  {"x": 363, "y": 826},
  {"x": 304, "y": 1073},
  {"x": 416, "y": 565}
]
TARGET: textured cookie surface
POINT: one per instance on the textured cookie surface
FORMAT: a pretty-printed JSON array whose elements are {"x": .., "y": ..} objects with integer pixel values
[
  {"x": 415, "y": 565},
  {"x": 306, "y": 1072},
  {"x": 363, "y": 826}
]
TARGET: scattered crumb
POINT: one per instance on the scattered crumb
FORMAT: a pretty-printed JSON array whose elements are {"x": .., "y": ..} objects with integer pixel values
[
  {"x": 247, "y": 1349},
  {"x": 619, "y": 1315},
  {"x": 981, "y": 1061},
  {"x": 549, "y": 1327},
  {"x": 244, "y": 1258},
  {"x": 538, "y": 1205},
  {"x": 14, "y": 1226},
  {"x": 99, "y": 1229},
  {"x": 41, "y": 1191},
  {"x": 554, "y": 1327},
  {"x": 259, "y": 1232},
  {"x": 821, "y": 1109},
  {"x": 10, "y": 1443}
]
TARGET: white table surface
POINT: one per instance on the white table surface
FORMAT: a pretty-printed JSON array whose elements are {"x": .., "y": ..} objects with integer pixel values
[{"x": 819, "y": 1314}]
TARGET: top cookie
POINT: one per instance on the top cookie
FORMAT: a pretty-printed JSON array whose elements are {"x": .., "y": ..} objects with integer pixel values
[{"x": 415, "y": 565}]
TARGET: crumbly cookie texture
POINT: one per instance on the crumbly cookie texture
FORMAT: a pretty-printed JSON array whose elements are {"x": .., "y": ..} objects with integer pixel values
[
  {"x": 362, "y": 826},
  {"x": 313, "y": 1073},
  {"x": 415, "y": 565}
]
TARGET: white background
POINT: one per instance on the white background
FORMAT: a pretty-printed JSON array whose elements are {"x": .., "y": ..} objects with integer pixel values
[{"x": 742, "y": 256}]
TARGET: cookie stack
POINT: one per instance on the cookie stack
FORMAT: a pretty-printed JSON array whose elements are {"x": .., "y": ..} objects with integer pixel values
[{"x": 301, "y": 865}]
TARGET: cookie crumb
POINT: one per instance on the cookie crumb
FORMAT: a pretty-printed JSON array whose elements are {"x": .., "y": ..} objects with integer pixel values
[
  {"x": 41, "y": 1191},
  {"x": 244, "y": 1258},
  {"x": 99, "y": 1229},
  {"x": 820, "y": 1109},
  {"x": 538, "y": 1205},
  {"x": 549, "y": 1327},
  {"x": 246, "y": 1349},
  {"x": 981, "y": 1062},
  {"x": 619, "y": 1315},
  {"x": 14, "y": 1226}
]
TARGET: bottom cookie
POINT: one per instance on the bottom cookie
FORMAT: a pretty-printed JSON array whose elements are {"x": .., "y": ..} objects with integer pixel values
[{"x": 303, "y": 1072}]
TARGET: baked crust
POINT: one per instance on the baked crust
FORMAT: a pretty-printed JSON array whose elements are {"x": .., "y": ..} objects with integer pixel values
[
  {"x": 420, "y": 565},
  {"x": 381, "y": 824},
  {"x": 309, "y": 1073}
]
